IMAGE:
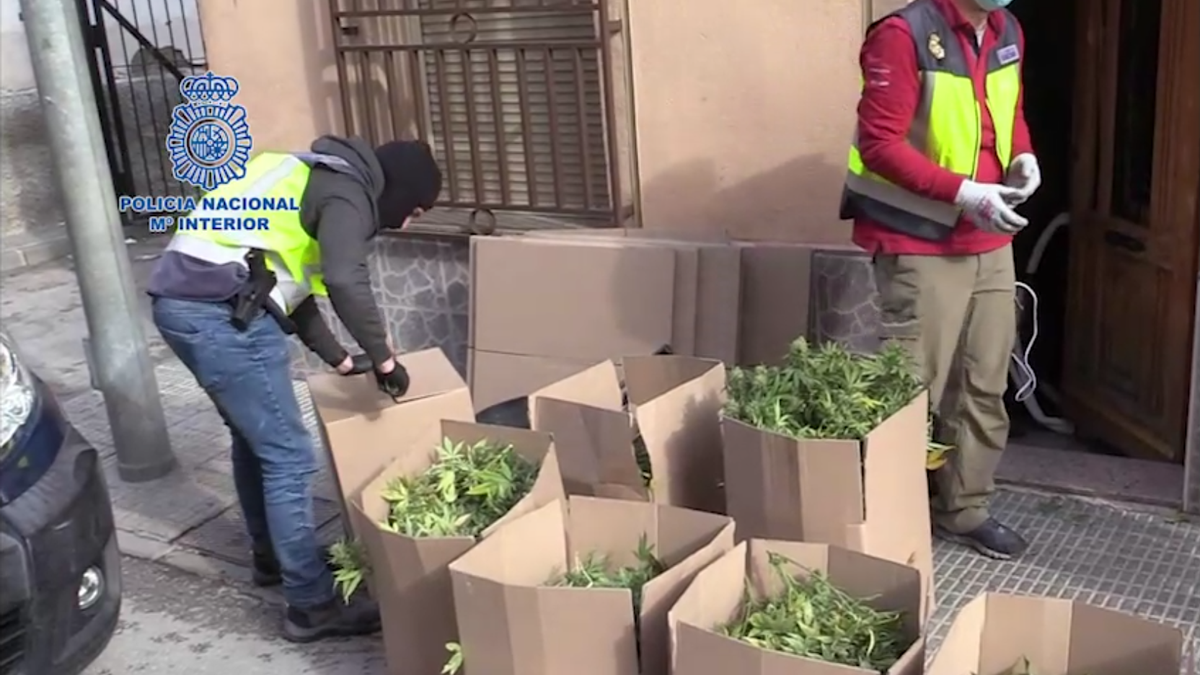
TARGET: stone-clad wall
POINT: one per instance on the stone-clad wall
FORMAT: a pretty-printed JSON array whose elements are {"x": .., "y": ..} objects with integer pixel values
[{"x": 421, "y": 286}]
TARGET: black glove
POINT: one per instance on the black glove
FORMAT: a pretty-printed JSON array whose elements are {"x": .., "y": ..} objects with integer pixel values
[
  {"x": 359, "y": 364},
  {"x": 395, "y": 383}
]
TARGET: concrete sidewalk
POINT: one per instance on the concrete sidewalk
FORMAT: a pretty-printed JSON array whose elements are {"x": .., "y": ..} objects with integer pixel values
[
  {"x": 189, "y": 519},
  {"x": 1135, "y": 559}
]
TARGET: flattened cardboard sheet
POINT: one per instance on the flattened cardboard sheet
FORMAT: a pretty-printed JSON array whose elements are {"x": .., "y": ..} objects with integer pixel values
[{"x": 555, "y": 299}]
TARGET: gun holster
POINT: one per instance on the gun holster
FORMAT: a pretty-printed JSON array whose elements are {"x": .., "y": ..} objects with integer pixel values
[{"x": 255, "y": 296}]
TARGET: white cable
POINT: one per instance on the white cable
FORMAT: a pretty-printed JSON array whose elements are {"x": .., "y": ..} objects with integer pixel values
[
  {"x": 1021, "y": 354},
  {"x": 1019, "y": 367}
]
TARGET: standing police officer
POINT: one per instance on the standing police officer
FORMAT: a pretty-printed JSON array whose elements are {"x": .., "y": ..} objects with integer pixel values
[
  {"x": 225, "y": 301},
  {"x": 941, "y": 158}
]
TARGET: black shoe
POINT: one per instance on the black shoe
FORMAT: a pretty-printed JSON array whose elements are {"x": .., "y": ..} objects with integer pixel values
[
  {"x": 333, "y": 619},
  {"x": 992, "y": 539},
  {"x": 265, "y": 570}
]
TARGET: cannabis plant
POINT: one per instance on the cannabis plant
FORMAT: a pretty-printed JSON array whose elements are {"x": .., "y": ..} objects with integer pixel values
[
  {"x": 813, "y": 618},
  {"x": 825, "y": 392},
  {"x": 594, "y": 571},
  {"x": 467, "y": 488},
  {"x": 350, "y": 566}
]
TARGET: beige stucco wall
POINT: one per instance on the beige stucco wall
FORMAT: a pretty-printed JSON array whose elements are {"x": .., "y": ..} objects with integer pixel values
[
  {"x": 742, "y": 113},
  {"x": 281, "y": 52}
]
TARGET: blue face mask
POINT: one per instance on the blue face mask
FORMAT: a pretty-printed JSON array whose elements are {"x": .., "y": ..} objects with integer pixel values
[{"x": 992, "y": 5}]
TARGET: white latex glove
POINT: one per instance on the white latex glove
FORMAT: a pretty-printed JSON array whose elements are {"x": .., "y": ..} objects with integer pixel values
[
  {"x": 987, "y": 205},
  {"x": 1025, "y": 175}
]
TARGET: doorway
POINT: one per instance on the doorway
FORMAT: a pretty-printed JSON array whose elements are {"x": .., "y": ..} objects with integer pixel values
[{"x": 1112, "y": 90}]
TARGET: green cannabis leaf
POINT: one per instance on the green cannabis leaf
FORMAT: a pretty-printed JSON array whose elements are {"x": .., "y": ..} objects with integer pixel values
[
  {"x": 815, "y": 619},
  {"x": 455, "y": 662},
  {"x": 350, "y": 566},
  {"x": 467, "y": 488},
  {"x": 826, "y": 392}
]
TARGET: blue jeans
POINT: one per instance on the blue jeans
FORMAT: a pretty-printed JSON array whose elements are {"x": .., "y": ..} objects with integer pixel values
[{"x": 247, "y": 375}]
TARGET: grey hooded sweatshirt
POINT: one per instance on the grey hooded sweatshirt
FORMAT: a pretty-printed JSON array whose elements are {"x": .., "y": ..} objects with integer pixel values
[{"x": 339, "y": 210}]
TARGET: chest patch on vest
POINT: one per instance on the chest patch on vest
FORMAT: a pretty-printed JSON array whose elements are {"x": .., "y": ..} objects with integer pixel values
[
  {"x": 1007, "y": 55},
  {"x": 935, "y": 46}
]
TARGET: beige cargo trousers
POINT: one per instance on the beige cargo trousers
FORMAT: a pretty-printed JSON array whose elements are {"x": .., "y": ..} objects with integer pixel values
[{"x": 956, "y": 316}]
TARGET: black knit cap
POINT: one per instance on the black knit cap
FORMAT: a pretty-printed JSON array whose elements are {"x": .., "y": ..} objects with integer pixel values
[{"x": 412, "y": 180}]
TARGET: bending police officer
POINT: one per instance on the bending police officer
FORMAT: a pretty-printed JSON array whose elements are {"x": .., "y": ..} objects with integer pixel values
[{"x": 225, "y": 301}]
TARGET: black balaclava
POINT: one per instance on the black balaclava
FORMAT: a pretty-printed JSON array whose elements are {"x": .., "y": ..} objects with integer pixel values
[{"x": 411, "y": 180}]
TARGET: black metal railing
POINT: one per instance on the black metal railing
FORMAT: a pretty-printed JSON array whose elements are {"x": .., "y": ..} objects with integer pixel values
[
  {"x": 510, "y": 93},
  {"x": 139, "y": 51}
]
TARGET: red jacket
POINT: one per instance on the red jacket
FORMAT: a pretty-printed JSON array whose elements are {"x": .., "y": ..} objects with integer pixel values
[{"x": 891, "y": 91}]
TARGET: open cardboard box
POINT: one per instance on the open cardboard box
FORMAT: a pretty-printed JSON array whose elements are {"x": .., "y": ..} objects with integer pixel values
[
  {"x": 676, "y": 403},
  {"x": 869, "y": 496},
  {"x": 718, "y": 593},
  {"x": 364, "y": 429},
  {"x": 510, "y": 621},
  {"x": 410, "y": 576},
  {"x": 1058, "y": 637}
]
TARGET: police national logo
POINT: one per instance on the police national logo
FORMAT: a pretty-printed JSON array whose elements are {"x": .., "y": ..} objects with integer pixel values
[{"x": 209, "y": 142}]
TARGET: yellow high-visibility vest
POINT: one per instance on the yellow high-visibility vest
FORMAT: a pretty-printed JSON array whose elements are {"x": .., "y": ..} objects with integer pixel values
[
  {"x": 293, "y": 255},
  {"x": 947, "y": 126}
]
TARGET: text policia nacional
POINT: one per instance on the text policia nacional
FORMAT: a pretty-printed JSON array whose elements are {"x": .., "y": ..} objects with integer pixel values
[{"x": 207, "y": 213}]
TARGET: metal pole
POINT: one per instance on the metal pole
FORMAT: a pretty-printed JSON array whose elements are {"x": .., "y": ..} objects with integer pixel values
[{"x": 122, "y": 364}]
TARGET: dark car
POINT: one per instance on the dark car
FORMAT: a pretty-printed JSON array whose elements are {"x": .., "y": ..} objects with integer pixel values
[{"x": 60, "y": 571}]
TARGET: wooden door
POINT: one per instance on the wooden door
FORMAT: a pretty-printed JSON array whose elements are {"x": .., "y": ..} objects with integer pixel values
[{"x": 1134, "y": 240}]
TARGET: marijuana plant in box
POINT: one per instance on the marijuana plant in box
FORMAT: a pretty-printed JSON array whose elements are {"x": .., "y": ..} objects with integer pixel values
[
  {"x": 594, "y": 571},
  {"x": 826, "y": 392},
  {"x": 467, "y": 488},
  {"x": 813, "y": 618}
]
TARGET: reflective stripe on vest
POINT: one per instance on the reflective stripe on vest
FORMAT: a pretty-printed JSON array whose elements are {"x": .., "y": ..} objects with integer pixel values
[
  {"x": 946, "y": 127},
  {"x": 293, "y": 255}
]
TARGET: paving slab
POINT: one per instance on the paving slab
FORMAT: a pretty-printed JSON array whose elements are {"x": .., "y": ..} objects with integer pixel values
[
  {"x": 1142, "y": 562},
  {"x": 225, "y": 536},
  {"x": 170, "y": 506}
]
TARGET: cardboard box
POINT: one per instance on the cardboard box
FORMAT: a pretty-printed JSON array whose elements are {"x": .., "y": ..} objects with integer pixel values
[
  {"x": 869, "y": 496},
  {"x": 776, "y": 296},
  {"x": 364, "y": 429},
  {"x": 1058, "y": 637},
  {"x": 676, "y": 403},
  {"x": 410, "y": 576},
  {"x": 561, "y": 300},
  {"x": 718, "y": 593},
  {"x": 774, "y": 289},
  {"x": 708, "y": 282},
  {"x": 499, "y": 378},
  {"x": 538, "y": 302},
  {"x": 510, "y": 621}
]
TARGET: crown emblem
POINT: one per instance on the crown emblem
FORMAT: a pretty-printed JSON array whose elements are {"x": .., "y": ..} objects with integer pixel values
[{"x": 209, "y": 88}]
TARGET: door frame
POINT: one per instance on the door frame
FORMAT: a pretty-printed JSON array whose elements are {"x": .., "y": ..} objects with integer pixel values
[{"x": 1092, "y": 161}]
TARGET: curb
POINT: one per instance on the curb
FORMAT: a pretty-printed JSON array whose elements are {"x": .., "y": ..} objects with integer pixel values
[
  {"x": 32, "y": 251},
  {"x": 195, "y": 562}
]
